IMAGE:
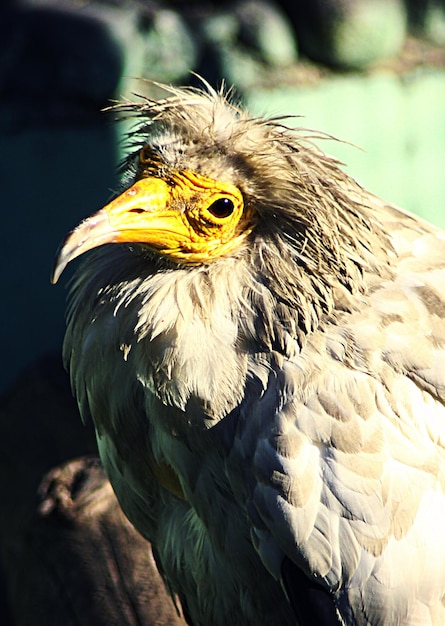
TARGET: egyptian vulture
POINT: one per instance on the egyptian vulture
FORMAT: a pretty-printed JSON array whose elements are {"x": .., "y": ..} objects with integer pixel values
[{"x": 263, "y": 355}]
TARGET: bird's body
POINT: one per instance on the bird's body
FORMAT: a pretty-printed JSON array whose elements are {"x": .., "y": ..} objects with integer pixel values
[{"x": 267, "y": 386}]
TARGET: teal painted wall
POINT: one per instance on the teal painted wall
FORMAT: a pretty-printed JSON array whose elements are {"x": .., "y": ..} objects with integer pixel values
[{"x": 399, "y": 124}]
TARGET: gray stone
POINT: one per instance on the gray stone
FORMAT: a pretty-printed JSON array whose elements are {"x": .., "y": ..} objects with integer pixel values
[
  {"x": 267, "y": 31},
  {"x": 168, "y": 48},
  {"x": 352, "y": 33}
]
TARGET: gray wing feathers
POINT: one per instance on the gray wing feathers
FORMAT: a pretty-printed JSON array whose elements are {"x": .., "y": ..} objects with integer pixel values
[{"x": 349, "y": 474}]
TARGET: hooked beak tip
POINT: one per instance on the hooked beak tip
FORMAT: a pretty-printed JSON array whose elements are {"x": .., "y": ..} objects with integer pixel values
[{"x": 90, "y": 233}]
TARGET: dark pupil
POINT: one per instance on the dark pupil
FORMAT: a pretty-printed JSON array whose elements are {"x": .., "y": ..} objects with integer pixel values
[{"x": 223, "y": 207}]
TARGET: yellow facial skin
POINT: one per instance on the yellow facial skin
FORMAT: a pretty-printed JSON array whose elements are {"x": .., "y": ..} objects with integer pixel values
[{"x": 187, "y": 217}]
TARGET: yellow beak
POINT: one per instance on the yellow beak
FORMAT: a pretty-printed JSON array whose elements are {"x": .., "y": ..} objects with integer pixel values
[
  {"x": 173, "y": 217},
  {"x": 135, "y": 215}
]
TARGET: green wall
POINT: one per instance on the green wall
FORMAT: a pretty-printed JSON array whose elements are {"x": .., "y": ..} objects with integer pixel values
[{"x": 399, "y": 124}]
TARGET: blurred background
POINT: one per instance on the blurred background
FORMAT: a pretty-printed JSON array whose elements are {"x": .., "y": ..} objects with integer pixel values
[{"x": 371, "y": 72}]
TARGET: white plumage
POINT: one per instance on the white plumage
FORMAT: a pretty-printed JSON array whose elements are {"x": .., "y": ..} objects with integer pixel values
[{"x": 262, "y": 355}]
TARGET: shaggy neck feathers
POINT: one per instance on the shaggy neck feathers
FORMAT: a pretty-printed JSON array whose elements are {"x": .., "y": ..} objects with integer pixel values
[{"x": 306, "y": 256}]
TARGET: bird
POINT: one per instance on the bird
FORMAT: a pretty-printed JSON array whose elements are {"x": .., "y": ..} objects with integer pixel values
[{"x": 259, "y": 341}]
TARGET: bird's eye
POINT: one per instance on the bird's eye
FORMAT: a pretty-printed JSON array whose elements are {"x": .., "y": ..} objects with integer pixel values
[{"x": 221, "y": 208}]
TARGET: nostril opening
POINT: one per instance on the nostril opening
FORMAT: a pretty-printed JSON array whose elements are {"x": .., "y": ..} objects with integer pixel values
[{"x": 137, "y": 210}]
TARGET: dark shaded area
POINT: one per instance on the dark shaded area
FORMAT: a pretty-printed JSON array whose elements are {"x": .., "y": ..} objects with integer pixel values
[
  {"x": 57, "y": 163},
  {"x": 68, "y": 554},
  {"x": 311, "y": 602},
  {"x": 57, "y": 67}
]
